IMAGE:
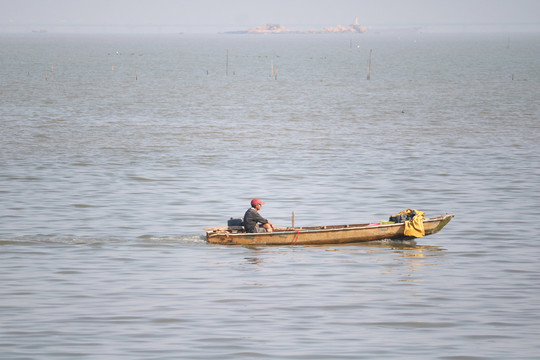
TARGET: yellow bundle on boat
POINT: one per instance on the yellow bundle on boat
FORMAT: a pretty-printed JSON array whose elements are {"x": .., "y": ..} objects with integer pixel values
[{"x": 415, "y": 227}]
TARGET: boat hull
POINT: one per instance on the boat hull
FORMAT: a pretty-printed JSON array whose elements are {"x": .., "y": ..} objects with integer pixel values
[{"x": 336, "y": 234}]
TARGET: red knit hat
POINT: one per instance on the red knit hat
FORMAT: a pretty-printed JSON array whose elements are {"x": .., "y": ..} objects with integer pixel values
[{"x": 257, "y": 201}]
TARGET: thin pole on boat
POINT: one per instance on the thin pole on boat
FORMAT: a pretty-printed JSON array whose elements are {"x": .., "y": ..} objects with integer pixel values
[{"x": 293, "y": 219}]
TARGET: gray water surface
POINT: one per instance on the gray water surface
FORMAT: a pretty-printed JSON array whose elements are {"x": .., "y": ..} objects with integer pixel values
[{"x": 116, "y": 152}]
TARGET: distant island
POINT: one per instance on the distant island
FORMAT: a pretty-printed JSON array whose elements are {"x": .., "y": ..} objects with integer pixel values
[{"x": 278, "y": 29}]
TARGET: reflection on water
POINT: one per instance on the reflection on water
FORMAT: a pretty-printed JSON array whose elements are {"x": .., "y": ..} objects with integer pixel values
[
  {"x": 404, "y": 248},
  {"x": 412, "y": 258}
]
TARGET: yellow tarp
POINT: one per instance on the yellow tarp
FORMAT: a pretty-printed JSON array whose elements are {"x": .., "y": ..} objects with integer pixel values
[{"x": 414, "y": 227}]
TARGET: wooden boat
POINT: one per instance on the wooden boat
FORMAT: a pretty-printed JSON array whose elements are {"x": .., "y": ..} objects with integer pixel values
[{"x": 320, "y": 235}]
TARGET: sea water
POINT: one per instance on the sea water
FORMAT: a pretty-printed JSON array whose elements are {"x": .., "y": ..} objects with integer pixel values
[{"x": 116, "y": 151}]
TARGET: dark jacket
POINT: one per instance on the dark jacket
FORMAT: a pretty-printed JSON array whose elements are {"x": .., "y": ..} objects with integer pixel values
[{"x": 251, "y": 219}]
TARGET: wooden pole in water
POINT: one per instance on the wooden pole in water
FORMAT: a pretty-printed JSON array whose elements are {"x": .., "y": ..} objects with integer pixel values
[
  {"x": 227, "y": 64},
  {"x": 369, "y": 65}
]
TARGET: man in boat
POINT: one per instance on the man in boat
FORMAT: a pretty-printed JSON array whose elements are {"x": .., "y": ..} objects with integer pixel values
[{"x": 252, "y": 219}]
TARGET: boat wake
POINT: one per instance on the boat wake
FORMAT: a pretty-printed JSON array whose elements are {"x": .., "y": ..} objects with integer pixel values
[{"x": 147, "y": 240}]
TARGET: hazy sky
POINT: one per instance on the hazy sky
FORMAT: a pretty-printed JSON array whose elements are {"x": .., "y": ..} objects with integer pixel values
[{"x": 246, "y": 13}]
